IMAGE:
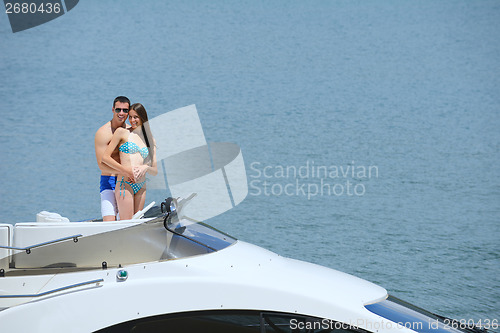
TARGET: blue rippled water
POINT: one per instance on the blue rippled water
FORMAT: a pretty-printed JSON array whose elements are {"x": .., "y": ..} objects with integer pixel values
[{"x": 407, "y": 88}]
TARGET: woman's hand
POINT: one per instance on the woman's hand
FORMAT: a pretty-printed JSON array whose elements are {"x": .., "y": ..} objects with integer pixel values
[
  {"x": 129, "y": 172},
  {"x": 140, "y": 171}
]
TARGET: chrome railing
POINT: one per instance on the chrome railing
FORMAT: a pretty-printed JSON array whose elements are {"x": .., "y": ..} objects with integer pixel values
[
  {"x": 28, "y": 248},
  {"x": 55, "y": 290}
]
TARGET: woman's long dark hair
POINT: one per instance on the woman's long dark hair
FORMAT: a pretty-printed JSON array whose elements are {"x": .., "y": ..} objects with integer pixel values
[{"x": 143, "y": 115}]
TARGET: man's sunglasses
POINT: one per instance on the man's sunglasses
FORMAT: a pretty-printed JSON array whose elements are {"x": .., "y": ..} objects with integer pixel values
[{"x": 117, "y": 110}]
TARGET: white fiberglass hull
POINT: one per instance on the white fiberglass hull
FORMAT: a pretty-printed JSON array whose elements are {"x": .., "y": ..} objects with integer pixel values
[{"x": 242, "y": 276}]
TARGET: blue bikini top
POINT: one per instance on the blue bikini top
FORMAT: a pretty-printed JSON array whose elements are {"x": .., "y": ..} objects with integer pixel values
[{"x": 132, "y": 148}]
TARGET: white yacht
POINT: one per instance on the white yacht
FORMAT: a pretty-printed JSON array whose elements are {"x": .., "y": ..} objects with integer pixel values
[{"x": 164, "y": 273}]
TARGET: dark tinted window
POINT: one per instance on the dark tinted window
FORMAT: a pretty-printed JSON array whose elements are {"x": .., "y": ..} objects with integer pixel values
[{"x": 232, "y": 322}]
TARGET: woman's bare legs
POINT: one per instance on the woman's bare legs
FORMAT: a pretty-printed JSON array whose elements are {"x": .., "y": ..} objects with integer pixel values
[
  {"x": 139, "y": 200},
  {"x": 124, "y": 199}
]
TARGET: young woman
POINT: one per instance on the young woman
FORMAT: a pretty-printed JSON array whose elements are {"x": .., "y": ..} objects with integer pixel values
[{"x": 137, "y": 157}]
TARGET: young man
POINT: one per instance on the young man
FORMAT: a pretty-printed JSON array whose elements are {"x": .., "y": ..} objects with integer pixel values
[{"x": 103, "y": 137}]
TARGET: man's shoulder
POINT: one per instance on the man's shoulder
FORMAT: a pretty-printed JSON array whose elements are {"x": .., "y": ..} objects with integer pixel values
[
  {"x": 104, "y": 131},
  {"x": 105, "y": 127}
]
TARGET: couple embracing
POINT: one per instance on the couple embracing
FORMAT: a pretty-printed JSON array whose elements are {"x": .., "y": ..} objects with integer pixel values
[{"x": 125, "y": 154}]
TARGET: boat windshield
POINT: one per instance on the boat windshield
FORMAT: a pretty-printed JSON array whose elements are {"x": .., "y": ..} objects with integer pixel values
[
  {"x": 150, "y": 241},
  {"x": 212, "y": 175}
]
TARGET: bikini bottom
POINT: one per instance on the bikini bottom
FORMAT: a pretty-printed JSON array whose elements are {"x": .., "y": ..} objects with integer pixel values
[{"x": 136, "y": 187}]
